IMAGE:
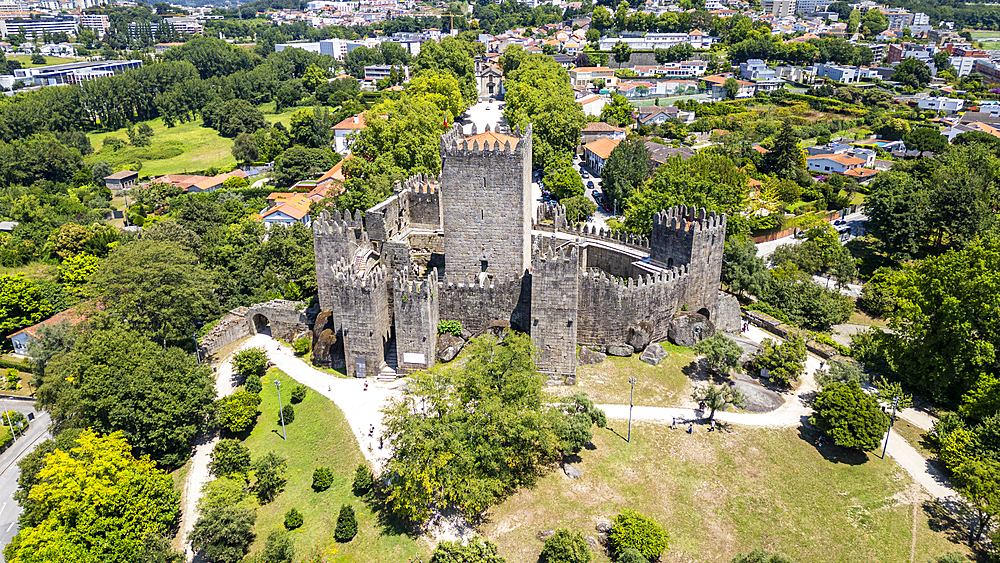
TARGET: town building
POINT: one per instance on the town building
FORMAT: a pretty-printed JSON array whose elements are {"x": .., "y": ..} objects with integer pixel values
[
  {"x": 595, "y": 130},
  {"x": 779, "y": 8},
  {"x": 286, "y": 210},
  {"x": 343, "y": 130},
  {"x": 592, "y": 104},
  {"x": 657, "y": 115},
  {"x": 37, "y": 27},
  {"x": 939, "y": 103},
  {"x": 756, "y": 69},
  {"x": 583, "y": 75},
  {"x": 836, "y": 163},
  {"x": 73, "y": 73},
  {"x": 121, "y": 181},
  {"x": 596, "y": 153}
]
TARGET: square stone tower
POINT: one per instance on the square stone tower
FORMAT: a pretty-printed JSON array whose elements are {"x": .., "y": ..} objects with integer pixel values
[{"x": 486, "y": 202}]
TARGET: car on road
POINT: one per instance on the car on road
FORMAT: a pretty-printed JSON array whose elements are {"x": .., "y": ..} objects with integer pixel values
[
  {"x": 590, "y": 184},
  {"x": 584, "y": 175}
]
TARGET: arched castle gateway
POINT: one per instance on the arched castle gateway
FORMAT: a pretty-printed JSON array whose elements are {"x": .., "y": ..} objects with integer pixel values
[{"x": 470, "y": 247}]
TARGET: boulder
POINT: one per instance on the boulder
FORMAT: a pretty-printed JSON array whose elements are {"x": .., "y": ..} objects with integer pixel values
[
  {"x": 688, "y": 329},
  {"x": 639, "y": 336},
  {"x": 653, "y": 354},
  {"x": 448, "y": 346},
  {"x": 623, "y": 350},
  {"x": 592, "y": 543},
  {"x": 545, "y": 534},
  {"x": 603, "y": 526},
  {"x": 586, "y": 356},
  {"x": 327, "y": 349},
  {"x": 572, "y": 472}
]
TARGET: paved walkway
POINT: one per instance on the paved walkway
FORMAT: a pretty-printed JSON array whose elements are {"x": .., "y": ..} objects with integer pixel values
[{"x": 796, "y": 411}]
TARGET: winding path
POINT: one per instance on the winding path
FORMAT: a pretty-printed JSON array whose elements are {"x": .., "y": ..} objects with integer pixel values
[{"x": 794, "y": 412}]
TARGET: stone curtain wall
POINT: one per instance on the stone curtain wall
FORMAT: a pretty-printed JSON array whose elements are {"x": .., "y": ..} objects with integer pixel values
[
  {"x": 416, "y": 321},
  {"x": 609, "y": 306},
  {"x": 364, "y": 325},
  {"x": 389, "y": 218},
  {"x": 336, "y": 238},
  {"x": 555, "y": 281},
  {"x": 425, "y": 206},
  {"x": 477, "y": 305},
  {"x": 286, "y": 319},
  {"x": 486, "y": 204}
]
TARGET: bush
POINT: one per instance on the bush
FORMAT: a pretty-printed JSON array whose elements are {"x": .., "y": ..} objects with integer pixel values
[
  {"x": 322, "y": 479},
  {"x": 252, "y": 361},
  {"x": 301, "y": 345},
  {"x": 631, "y": 555},
  {"x": 850, "y": 416},
  {"x": 229, "y": 457},
  {"x": 15, "y": 418},
  {"x": 761, "y": 556},
  {"x": 347, "y": 524},
  {"x": 565, "y": 547},
  {"x": 633, "y": 530},
  {"x": 271, "y": 480},
  {"x": 278, "y": 548},
  {"x": 298, "y": 393},
  {"x": 293, "y": 519},
  {"x": 450, "y": 327},
  {"x": 252, "y": 384},
  {"x": 364, "y": 480},
  {"x": 288, "y": 414},
  {"x": 238, "y": 412}
]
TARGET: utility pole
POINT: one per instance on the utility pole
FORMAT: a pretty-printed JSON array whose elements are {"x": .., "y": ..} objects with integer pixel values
[
  {"x": 280, "y": 411},
  {"x": 895, "y": 403},
  {"x": 631, "y": 380}
]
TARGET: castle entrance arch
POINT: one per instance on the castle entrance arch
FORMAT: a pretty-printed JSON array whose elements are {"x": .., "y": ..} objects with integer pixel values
[{"x": 261, "y": 324}]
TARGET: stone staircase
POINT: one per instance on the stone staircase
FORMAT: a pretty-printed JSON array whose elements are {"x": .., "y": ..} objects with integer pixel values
[{"x": 388, "y": 373}]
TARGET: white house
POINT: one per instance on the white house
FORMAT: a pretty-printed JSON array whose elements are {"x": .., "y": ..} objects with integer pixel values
[
  {"x": 341, "y": 131},
  {"x": 835, "y": 163},
  {"x": 596, "y": 153},
  {"x": 592, "y": 104},
  {"x": 939, "y": 103}
]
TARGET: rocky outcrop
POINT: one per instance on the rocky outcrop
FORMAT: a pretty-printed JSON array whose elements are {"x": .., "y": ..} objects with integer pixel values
[
  {"x": 622, "y": 350},
  {"x": 688, "y": 329},
  {"x": 585, "y": 356},
  {"x": 448, "y": 346},
  {"x": 653, "y": 354},
  {"x": 639, "y": 336},
  {"x": 327, "y": 349}
]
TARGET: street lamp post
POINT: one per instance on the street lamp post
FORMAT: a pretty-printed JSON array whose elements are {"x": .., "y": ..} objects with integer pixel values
[
  {"x": 13, "y": 432},
  {"x": 616, "y": 208},
  {"x": 280, "y": 411},
  {"x": 631, "y": 381},
  {"x": 895, "y": 403}
]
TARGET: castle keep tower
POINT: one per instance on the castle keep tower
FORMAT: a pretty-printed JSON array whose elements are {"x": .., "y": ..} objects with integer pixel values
[
  {"x": 684, "y": 236},
  {"x": 486, "y": 202},
  {"x": 555, "y": 291}
]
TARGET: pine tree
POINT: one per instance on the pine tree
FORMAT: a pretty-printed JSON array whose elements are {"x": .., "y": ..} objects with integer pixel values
[{"x": 347, "y": 524}]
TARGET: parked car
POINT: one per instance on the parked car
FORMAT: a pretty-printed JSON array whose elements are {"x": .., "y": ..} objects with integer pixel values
[
  {"x": 590, "y": 184},
  {"x": 584, "y": 175}
]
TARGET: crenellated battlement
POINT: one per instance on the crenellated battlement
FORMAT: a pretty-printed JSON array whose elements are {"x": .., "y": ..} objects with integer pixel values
[
  {"x": 499, "y": 141},
  {"x": 664, "y": 277},
  {"x": 418, "y": 184},
  {"x": 687, "y": 218},
  {"x": 329, "y": 219},
  {"x": 421, "y": 289},
  {"x": 347, "y": 276},
  {"x": 621, "y": 237}
]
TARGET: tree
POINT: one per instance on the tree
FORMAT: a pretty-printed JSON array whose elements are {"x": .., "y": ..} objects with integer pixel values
[
  {"x": 347, "y": 524},
  {"x": 238, "y": 412},
  {"x": 580, "y": 417},
  {"x": 477, "y": 550},
  {"x": 157, "y": 288},
  {"x": 979, "y": 482},
  {"x": 322, "y": 479},
  {"x": 116, "y": 380},
  {"x": 601, "y": 19},
  {"x": 288, "y": 414},
  {"x": 278, "y": 548},
  {"x": 732, "y": 88},
  {"x": 622, "y": 53},
  {"x": 225, "y": 533},
  {"x": 293, "y": 519},
  {"x": 633, "y": 530},
  {"x": 364, "y": 481},
  {"x": 22, "y": 303},
  {"x": 233, "y": 117},
  {"x": 619, "y": 112},
  {"x": 403, "y": 134},
  {"x": 300, "y": 163},
  {"x": 250, "y": 362},
  {"x": 95, "y": 502},
  {"x": 627, "y": 169},
  {"x": 313, "y": 77},
  {"x": 925, "y": 139},
  {"x": 245, "y": 149},
  {"x": 563, "y": 180},
  {"x": 442, "y": 89},
  {"x": 742, "y": 270},
  {"x": 850, "y": 416},
  {"x": 489, "y": 410},
  {"x": 783, "y": 362},
  {"x": 565, "y": 547},
  {"x": 897, "y": 212},
  {"x": 911, "y": 72},
  {"x": 983, "y": 399},
  {"x": 876, "y": 22},
  {"x": 721, "y": 352},
  {"x": 631, "y": 555},
  {"x": 578, "y": 208},
  {"x": 784, "y": 158},
  {"x": 539, "y": 93},
  {"x": 270, "y": 473},
  {"x": 229, "y": 457},
  {"x": 102, "y": 170},
  {"x": 450, "y": 55},
  {"x": 311, "y": 128},
  {"x": 842, "y": 371},
  {"x": 718, "y": 397}
]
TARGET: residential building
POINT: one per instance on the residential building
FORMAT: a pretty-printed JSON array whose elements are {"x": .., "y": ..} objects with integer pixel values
[
  {"x": 896, "y": 53},
  {"x": 596, "y": 153},
  {"x": 963, "y": 65},
  {"x": 939, "y": 103},
  {"x": 22, "y": 339},
  {"x": 683, "y": 68},
  {"x": 920, "y": 19},
  {"x": 656, "y": 115},
  {"x": 898, "y": 18},
  {"x": 37, "y": 27},
  {"x": 73, "y": 73},
  {"x": 659, "y": 154},
  {"x": 779, "y": 8},
  {"x": 838, "y": 148},
  {"x": 798, "y": 74},
  {"x": 808, "y": 6},
  {"x": 988, "y": 69},
  {"x": 599, "y": 130},
  {"x": 756, "y": 69},
  {"x": 287, "y": 210},
  {"x": 836, "y": 163},
  {"x": 838, "y": 73},
  {"x": 582, "y": 76},
  {"x": 593, "y": 104},
  {"x": 183, "y": 25},
  {"x": 342, "y": 131},
  {"x": 958, "y": 129},
  {"x": 161, "y": 48},
  {"x": 194, "y": 183},
  {"x": 374, "y": 73},
  {"x": 98, "y": 23},
  {"x": 650, "y": 41},
  {"x": 716, "y": 84},
  {"x": 121, "y": 181}
]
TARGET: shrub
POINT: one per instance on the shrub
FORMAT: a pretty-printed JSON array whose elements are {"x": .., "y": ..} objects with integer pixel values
[
  {"x": 15, "y": 418},
  {"x": 298, "y": 393},
  {"x": 288, "y": 414},
  {"x": 450, "y": 327},
  {"x": 631, "y": 555},
  {"x": 229, "y": 457},
  {"x": 252, "y": 361},
  {"x": 631, "y": 529},
  {"x": 301, "y": 345},
  {"x": 477, "y": 550},
  {"x": 271, "y": 480},
  {"x": 322, "y": 478},
  {"x": 850, "y": 416},
  {"x": 761, "y": 556},
  {"x": 565, "y": 547},
  {"x": 293, "y": 519},
  {"x": 278, "y": 548},
  {"x": 238, "y": 412},
  {"x": 252, "y": 384},
  {"x": 364, "y": 480},
  {"x": 347, "y": 524}
]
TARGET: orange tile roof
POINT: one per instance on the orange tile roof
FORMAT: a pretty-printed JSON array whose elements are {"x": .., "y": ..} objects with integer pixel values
[
  {"x": 602, "y": 147},
  {"x": 295, "y": 207},
  {"x": 842, "y": 159},
  {"x": 353, "y": 122},
  {"x": 601, "y": 127},
  {"x": 590, "y": 68},
  {"x": 218, "y": 179},
  {"x": 861, "y": 172},
  {"x": 73, "y": 316},
  {"x": 490, "y": 138}
]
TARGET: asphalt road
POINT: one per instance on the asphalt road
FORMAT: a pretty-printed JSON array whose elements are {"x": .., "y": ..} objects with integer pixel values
[{"x": 37, "y": 432}]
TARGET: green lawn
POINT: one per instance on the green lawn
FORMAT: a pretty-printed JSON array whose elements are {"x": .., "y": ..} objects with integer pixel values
[
  {"x": 319, "y": 436},
  {"x": 25, "y": 60},
  {"x": 991, "y": 44},
  {"x": 725, "y": 493}
]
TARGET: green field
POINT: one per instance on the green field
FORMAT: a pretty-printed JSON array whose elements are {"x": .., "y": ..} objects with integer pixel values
[
  {"x": 186, "y": 148},
  {"x": 990, "y": 44},
  {"x": 724, "y": 493},
  {"x": 25, "y": 60},
  {"x": 320, "y": 436}
]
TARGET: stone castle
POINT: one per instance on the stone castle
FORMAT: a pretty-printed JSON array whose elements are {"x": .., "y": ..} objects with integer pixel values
[{"x": 471, "y": 246}]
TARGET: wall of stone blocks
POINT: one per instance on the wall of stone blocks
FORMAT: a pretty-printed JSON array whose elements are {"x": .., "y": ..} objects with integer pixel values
[
  {"x": 609, "y": 307},
  {"x": 425, "y": 209},
  {"x": 336, "y": 237},
  {"x": 416, "y": 321},
  {"x": 364, "y": 325},
  {"x": 433, "y": 243},
  {"x": 396, "y": 255},
  {"x": 611, "y": 261},
  {"x": 389, "y": 218},
  {"x": 555, "y": 281},
  {"x": 476, "y": 306},
  {"x": 230, "y": 328}
]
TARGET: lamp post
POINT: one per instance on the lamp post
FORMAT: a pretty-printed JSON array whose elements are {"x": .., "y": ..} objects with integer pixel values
[
  {"x": 895, "y": 403},
  {"x": 13, "y": 432},
  {"x": 631, "y": 380},
  {"x": 616, "y": 208},
  {"x": 280, "y": 411}
]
